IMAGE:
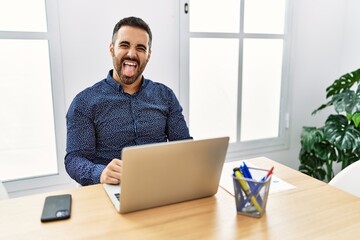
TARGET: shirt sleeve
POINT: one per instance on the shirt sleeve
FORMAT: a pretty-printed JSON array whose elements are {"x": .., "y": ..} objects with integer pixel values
[
  {"x": 80, "y": 147},
  {"x": 176, "y": 128}
]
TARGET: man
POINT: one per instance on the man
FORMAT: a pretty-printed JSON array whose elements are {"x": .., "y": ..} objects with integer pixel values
[{"x": 125, "y": 109}]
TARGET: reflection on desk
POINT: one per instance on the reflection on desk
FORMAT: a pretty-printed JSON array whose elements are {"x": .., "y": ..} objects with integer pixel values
[{"x": 312, "y": 210}]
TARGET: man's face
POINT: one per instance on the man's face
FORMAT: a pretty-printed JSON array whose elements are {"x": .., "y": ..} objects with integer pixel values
[{"x": 130, "y": 53}]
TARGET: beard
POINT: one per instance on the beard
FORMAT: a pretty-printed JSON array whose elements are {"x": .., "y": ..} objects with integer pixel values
[{"x": 118, "y": 67}]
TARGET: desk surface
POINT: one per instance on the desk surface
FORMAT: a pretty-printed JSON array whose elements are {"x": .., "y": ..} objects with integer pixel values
[{"x": 312, "y": 210}]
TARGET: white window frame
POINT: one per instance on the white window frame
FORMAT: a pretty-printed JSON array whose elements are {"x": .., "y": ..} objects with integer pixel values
[
  {"x": 250, "y": 148},
  {"x": 53, "y": 37}
]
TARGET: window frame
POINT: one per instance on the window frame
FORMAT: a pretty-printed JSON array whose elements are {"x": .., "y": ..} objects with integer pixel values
[
  {"x": 52, "y": 35},
  {"x": 249, "y": 148}
]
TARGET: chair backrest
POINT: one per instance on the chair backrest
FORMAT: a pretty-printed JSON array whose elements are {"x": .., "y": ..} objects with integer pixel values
[
  {"x": 3, "y": 192},
  {"x": 348, "y": 179}
]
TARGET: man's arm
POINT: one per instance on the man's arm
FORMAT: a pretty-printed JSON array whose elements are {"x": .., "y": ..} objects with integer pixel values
[
  {"x": 80, "y": 147},
  {"x": 176, "y": 128},
  {"x": 82, "y": 170}
]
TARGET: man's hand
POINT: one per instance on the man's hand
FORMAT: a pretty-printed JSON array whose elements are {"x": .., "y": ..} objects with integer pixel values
[{"x": 112, "y": 173}]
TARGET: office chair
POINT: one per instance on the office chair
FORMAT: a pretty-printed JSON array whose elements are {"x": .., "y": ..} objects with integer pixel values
[
  {"x": 3, "y": 192},
  {"x": 348, "y": 179}
]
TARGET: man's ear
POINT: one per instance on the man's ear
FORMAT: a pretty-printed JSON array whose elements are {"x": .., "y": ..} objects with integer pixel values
[
  {"x": 111, "y": 49},
  {"x": 149, "y": 55}
]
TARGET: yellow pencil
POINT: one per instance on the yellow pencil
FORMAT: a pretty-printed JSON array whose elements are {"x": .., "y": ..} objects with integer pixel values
[{"x": 247, "y": 191}]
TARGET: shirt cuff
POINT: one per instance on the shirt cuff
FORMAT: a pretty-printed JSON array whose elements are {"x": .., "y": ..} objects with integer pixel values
[{"x": 97, "y": 172}]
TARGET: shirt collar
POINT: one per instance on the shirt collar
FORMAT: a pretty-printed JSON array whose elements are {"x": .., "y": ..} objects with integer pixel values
[{"x": 114, "y": 84}]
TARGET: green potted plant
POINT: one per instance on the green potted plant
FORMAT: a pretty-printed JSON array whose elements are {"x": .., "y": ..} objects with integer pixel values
[{"x": 339, "y": 139}]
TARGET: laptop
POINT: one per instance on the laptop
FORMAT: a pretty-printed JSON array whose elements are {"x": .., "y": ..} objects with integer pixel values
[{"x": 166, "y": 173}]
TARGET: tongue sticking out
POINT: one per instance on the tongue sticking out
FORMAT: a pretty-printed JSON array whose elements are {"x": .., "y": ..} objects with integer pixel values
[{"x": 129, "y": 70}]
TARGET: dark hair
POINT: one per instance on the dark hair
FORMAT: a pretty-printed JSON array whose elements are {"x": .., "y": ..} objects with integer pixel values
[{"x": 132, "y": 22}]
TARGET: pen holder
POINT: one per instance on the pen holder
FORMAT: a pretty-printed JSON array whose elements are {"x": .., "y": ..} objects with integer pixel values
[{"x": 251, "y": 194}]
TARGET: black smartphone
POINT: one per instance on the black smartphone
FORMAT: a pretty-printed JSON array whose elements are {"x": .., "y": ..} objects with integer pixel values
[{"x": 56, "y": 207}]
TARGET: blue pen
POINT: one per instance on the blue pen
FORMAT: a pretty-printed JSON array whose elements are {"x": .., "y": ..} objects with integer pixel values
[
  {"x": 255, "y": 188},
  {"x": 246, "y": 172}
]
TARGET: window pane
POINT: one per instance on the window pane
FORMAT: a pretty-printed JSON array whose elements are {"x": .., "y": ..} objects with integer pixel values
[
  {"x": 27, "y": 139},
  {"x": 264, "y": 16},
  {"x": 23, "y": 15},
  {"x": 261, "y": 88},
  {"x": 213, "y": 87},
  {"x": 214, "y": 16}
]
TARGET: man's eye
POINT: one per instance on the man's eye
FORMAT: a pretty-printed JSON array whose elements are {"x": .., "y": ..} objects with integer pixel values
[{"x": 124, "y": 45}]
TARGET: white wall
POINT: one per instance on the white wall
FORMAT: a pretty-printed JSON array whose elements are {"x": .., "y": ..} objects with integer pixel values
[
  {"x": 320, "y": 54},
  {"x": 351, "y": 47},
  {"x": 324, "y": 46},
  {"x": 86, "y": 30}
]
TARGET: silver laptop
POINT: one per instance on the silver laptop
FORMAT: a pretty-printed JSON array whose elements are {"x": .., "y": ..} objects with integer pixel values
[{"x": 165, "y": 173}]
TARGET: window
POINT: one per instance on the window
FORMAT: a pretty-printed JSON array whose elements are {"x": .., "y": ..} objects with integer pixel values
[
  {"x": 233, "y": 64},
  {"x": 32, "y": 112}
]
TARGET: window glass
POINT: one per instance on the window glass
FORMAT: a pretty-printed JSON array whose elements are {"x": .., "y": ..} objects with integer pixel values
[
  {"x": 214, "y": 16},
  {"x": 27, "y": 139},
  {"x": 261, "y": 88},
  {"x": 213, "y": 87},
  {"x": 23, "y": 15},
  {"x": 264, "y": 16},
  {"x": 234, "y": 81}
]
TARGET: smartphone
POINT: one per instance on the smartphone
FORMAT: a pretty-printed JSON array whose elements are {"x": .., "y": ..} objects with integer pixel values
[{"x": 56, "y": 207}]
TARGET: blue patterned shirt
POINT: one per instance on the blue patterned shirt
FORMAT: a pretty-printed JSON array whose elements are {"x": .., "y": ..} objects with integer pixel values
[{"x": 103, "y": 119}]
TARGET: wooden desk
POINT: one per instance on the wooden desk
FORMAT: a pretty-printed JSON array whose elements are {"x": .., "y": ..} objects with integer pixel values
[{"x": 313, "y": 210}]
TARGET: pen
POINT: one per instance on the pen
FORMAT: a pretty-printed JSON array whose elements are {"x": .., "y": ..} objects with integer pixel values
[
  {"x": 268, "y": 174},
  {"x": 253, "y": 186},
  {"x": 246, "y": 189},
  {"x": 245, "y": 171}
]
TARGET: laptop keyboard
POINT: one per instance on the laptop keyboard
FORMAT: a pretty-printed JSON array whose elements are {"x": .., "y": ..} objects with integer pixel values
[{"x": 117, "y": 195}]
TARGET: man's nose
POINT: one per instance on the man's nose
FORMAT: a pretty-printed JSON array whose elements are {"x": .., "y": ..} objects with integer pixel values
[{"x": 131, "y": 53}]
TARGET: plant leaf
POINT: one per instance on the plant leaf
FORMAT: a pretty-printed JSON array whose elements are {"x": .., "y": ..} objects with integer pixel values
[
  {"x": 356, "y": 119},
  {"x": 347, "y": 101},
  {"x": 311, "y": 165},
  {"x": 310, "y": 136},
  {"x": 346, "y": 81},
  {"x": 322, "y": 107},
  {"x": 347, "y": 157},
  {"x": 340, "y": 133},
  {"x": 325, "y": 151},
  {"x": 344, "y": 101}
]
